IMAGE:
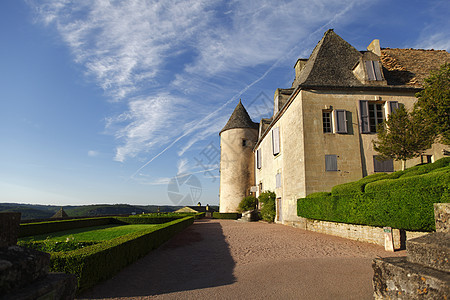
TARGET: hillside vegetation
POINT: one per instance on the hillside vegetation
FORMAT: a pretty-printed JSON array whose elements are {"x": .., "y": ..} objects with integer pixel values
[
  {"x": 32, "y": 211},
  {"x": 403, "y": 199}
]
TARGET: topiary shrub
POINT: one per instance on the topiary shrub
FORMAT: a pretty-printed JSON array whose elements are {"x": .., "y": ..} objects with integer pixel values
[
  {"x": 229, "y": 216},
  {"x": 248, "y": 203},
  {"x": 268, "y": 210}
]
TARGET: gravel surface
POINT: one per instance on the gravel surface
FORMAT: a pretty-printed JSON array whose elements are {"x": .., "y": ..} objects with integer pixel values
[{"x": 226, "y": 259}]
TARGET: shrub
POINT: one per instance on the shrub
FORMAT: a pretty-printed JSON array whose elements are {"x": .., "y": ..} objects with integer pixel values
[
  {"x": 268, "y": 210},
  {"x": 101, "y": 261},
  {"x": 248, "y": 203},
  {"x": 404, "y": 203},
  {"x": 230, "y": 216},
  {"x": 38, "y": 228}
]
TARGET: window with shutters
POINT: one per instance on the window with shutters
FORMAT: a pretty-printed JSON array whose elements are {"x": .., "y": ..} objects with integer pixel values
[
  {"x": 331, "y": 162},
  {"x": 258, "y": 158},
  {"x": 380, "y": 165},
  {"x": 276, "y": 140},
  {"x": 326, "y": 121},
  {"x": 371, "y": 114},
  {"x": 373, "y": 70},
  {"x": 426, "y": 159}
]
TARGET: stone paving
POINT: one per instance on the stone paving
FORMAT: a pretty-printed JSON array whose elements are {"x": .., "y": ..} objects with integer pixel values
[{"x": 226, "y": 259}]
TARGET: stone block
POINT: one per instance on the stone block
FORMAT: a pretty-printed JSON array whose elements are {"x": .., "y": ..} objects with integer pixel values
[
  {"x": 21, "y": 266},
  {"x": 55, "y": 286},
  {"x": 442, "y": 217},
  {"x": 431, "y": 250},
  {"x": 9, "y": 228},
  {"x": 397, "y": 278}
]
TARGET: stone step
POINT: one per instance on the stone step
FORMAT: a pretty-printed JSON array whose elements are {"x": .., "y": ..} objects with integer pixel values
[
  {"x": 431, "y": 250},
  {"x": 21, "y": 266},
  {"x": 398, "y": 278}
]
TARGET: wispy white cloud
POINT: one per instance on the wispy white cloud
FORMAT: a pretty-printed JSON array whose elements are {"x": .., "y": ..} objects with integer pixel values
[
  {"x": 150, "y": 53},
  {"x": 93, "y": 153}
]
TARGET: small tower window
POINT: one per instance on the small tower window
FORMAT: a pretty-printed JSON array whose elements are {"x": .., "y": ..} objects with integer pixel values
[{"x": 244, "y": 143}]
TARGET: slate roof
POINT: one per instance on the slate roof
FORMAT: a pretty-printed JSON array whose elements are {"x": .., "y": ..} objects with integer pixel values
[
  {"x": 333, "y": 59},
  {"x": 239, "y": 119},
  {"x": 411, "y": 66},
  {"x": 331, "y": 63}
]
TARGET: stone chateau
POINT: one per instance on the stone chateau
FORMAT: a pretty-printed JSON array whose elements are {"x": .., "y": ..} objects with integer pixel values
[{"x": 321, "y": 131}]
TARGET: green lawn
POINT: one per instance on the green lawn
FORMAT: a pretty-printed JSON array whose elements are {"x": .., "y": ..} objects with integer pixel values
[{"x": 97, "y": 233}]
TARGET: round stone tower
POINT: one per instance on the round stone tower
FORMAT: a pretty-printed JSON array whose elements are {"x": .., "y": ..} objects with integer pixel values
[{"x": 237, "y": 164}]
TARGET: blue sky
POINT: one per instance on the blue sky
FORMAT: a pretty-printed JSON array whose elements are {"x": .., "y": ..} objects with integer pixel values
[{"x": 107, "y": 101}]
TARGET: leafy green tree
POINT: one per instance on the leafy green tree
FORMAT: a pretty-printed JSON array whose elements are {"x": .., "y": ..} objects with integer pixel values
[
  {"x": 268, "y": 210},
  {"x": 248, "y": 203},
  {"x": 433, "y": 104},
  {"x": 402, "y": 137}
]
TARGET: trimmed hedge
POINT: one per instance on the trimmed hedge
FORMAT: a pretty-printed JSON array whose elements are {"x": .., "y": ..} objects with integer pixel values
[
  {"x": 230, "y": 216},
  {"x": 101, "y": 261},
  {"x": 29, "y": 229},
  {"x": 399, "y": 200}
]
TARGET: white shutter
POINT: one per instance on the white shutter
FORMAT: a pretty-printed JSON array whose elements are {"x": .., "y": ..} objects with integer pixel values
[
  {"x": 340, "y": 120},
  {"x": 276, "y": 140}
]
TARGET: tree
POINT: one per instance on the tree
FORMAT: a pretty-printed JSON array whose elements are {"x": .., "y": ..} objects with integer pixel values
[
  {"x": 433, "y": 104},
  {"x": 268, "y": 210},
  {"x": 402, "y": 137},
  {"x": 248, "y": 203}
]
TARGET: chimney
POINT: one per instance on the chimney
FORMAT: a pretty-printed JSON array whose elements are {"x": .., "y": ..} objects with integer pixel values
[
  {"x": 299, "y": 65},
  {"x": 375, "y": 47}
]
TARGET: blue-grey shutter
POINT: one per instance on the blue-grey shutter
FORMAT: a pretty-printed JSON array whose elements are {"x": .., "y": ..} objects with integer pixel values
[
  {"x": 369, "y": 70},
  {"x": 340, "y": 119},
  {"x": 377, "y": 70},
  {"x": 382, "y": 165},
  {"x": 393, "y": 106},
  {"x": 331, "y": 162},
  {"x": 278, "y": 180},
  {"x": 364, "y": 116},
  {"x": 258, "y": 158},
  {"x": 276, "y": 140}
]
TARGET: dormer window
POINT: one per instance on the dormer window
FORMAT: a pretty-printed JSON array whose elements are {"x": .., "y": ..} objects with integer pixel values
[{"x": 373, "y": 70}]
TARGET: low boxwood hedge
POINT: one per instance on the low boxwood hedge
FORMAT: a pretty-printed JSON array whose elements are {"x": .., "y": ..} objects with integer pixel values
[
  {"x": 101, "y": 261},
  {"x": 29, "y": 229},
  {"x": 397, "y": 200},
  {"x": 231, "y": 216}
]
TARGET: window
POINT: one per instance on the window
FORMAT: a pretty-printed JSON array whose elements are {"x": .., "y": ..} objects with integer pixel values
[
  {"x": 373, "y": 70},
  {"x": 276, "y": 140},
  {"x": 393, "y": 106},
  {"x": 258, "y": 158},
  {"x": 370, "y": 115},
  {"x": 380, "y": 165},
  {"x": 278, "y": 180},
  {"x": 334, "y": 121},
  {"x": 326, "y": 120},
  {"x": 340, "y": 121},
  {"x": 426, "y": 159},
  {"x": 244, "y": 143},
  {"x": 331, "y": 162}
]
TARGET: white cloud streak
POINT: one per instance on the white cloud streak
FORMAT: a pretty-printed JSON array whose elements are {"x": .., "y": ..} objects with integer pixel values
[{"x": 150, "y": 53}]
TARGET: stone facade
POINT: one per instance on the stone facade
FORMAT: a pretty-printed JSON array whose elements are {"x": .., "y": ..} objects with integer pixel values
[{"x": 322, "y": 129}]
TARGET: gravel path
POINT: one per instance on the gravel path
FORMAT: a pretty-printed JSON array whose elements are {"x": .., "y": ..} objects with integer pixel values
[{"x": 226, "y": 259}]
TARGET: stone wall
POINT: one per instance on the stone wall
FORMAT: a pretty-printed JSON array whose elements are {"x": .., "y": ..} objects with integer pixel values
[{"x": 368, "y": 234}]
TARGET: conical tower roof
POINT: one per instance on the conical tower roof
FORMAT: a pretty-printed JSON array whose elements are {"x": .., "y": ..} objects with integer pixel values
[
  {"x": 60, "y": 214},
  {"x": 240, "y": 119}
]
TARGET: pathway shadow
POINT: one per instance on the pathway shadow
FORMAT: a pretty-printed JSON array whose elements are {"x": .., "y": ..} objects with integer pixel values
[{"x": 197, "y": 258}]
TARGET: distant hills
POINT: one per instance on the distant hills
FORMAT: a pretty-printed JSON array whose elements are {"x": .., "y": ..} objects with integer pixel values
[{"x": 32, "y": 211}]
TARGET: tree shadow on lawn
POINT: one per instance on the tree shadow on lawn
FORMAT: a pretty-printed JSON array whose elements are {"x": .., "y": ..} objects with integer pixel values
[{"x": 197, "y": 258}]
